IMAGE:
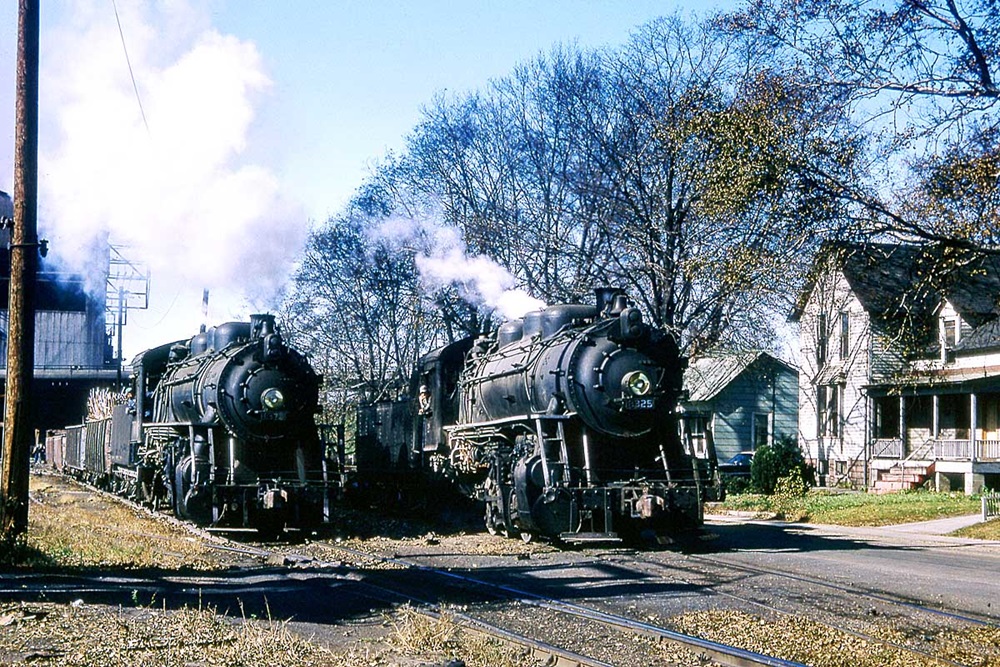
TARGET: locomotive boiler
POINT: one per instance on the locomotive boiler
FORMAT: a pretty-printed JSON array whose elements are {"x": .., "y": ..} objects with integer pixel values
[
  {"x": 220, "y": 428},
  {"x": 563, "y": 424}
]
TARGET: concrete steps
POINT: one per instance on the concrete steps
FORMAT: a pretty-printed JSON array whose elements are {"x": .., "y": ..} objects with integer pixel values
[{"x": 902, "y": 477}]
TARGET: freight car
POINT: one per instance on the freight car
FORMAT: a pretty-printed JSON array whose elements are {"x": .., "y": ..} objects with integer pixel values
[
  {"x": 562, "y": 424},
  {"x": 219, "y": 428}
]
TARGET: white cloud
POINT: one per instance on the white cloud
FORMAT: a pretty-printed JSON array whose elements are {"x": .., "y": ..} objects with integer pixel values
[{"x": 176, "y": 188}]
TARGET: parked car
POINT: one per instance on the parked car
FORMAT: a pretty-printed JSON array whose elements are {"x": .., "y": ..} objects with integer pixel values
[{"x": 737, "y": 466}]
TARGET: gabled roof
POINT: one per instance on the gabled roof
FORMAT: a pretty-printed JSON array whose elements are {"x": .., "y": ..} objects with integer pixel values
[
  {"x": 906, "y": 281},
  {"x": 708, "y": 375},
  {"x": 982, "y": 338}
]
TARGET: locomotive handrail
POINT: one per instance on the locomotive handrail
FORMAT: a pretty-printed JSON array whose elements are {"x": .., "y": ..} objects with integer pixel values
[
  {"x": 509, "y": 420},
  {"x": 151, "y": 424}
]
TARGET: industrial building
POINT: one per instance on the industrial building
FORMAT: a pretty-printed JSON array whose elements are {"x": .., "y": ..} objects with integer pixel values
[{"x": 74, "y": 345}]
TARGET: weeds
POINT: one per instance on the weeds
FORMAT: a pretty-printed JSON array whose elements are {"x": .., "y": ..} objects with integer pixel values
[
  {"x": 415, "y": 633},
  {"x": 855, "y": 509}
]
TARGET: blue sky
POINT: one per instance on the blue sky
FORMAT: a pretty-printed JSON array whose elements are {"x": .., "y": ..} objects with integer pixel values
[{"x": 261, "y": 118}]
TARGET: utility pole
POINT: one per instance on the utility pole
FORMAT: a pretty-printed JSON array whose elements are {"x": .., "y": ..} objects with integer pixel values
[{"x": 17, "y": 431}]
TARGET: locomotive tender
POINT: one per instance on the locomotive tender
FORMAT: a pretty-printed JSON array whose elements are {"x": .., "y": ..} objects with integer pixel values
[
  {"x": 562, "y": 423},
  {"x": 220, "y": 428}
]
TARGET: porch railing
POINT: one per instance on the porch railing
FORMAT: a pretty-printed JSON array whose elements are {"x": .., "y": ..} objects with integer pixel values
[
  {"x": 952, "y": 449},
  {"x": 887, "y": 448},
  {"x": 989, "y": 450},
  {"x": 937, "y": 449}
]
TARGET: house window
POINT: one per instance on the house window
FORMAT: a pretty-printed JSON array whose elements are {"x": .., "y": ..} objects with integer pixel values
[
  {"x": 697, "y": 426},
  {"x": 949, "y": 331},
  {"x": 828, "y": 412},
  {"x": 845, "y": 335},
  {"x": 761, "y": 429},
  {"x": 821, "y": 339}
]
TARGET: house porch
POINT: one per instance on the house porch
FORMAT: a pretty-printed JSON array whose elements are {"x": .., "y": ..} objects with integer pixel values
[
  {"x": 946, "y": 437},
  {"x": 947, "y": 433}
]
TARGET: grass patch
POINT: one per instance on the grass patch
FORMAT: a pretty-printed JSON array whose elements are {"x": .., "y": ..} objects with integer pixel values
[
  {"x": 988, "y": 530},
  {"x": 418, "y": 634},
  {"x": 857, "y": 509},
  {"x": 70, "y": 526}
]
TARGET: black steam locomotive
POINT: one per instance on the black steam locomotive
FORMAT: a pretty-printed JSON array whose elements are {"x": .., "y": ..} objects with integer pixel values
[
  {"x": 220, "y": 428},
  {"x": 563, "y": 424}
]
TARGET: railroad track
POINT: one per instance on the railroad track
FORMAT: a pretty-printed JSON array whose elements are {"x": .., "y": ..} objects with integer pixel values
[
  {"x": 813, "y": 602},
  {"x": 794, "y": 595},
  {"x": 588, "y": 620},
  {"x": 808, "y": 603}
]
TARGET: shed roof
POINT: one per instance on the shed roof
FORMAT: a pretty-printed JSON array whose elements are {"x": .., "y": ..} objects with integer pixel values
[
  {"x": 708, "y": 375},
  {"x": 982, "y": 338}
]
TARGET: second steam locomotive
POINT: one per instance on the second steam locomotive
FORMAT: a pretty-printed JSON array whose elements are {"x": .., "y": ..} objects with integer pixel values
[
  {"x": 220, "y": 428},
  {"x": 562, "y": 424}
]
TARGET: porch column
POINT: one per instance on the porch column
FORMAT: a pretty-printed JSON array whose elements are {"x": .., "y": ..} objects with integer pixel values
[
  {"x": 936, "y": 411},
  {"x": 902, "y": 424},
  {"x": 973, "y": 424}
]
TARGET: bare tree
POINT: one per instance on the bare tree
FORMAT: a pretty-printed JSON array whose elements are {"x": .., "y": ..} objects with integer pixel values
[
  {"x": 356, "y": 307},
  {"x": 920, "y": 76},
  {"x": 681, "y": 166}
]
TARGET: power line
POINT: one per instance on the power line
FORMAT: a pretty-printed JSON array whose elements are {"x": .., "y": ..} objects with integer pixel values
[{"x": 129, "y": 63}]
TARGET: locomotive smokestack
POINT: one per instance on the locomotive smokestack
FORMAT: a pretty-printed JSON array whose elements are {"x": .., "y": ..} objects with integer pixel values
[{"x": 204, "y": 310}]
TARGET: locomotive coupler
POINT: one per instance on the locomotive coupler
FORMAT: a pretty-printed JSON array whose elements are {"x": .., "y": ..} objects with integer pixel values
[
  {"x": 649, "y": 506},
  {"x": 639, "y": 503},
  {"x": 274, "y": 499}
]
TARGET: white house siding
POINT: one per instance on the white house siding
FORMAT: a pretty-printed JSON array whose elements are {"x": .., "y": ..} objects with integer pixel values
[{"x": 846, "y": 375}]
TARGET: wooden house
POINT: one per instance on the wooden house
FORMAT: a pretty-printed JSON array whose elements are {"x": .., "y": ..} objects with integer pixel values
[
  {"x": 899, "y": 381},
  {"x": 737, "y": 402}
]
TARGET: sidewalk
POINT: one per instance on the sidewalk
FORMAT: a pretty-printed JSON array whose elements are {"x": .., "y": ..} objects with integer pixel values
[{"x": 937, "y": 526}]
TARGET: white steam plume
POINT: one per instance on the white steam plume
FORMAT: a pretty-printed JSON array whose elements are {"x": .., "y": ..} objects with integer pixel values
[
  {"x": 442, "y": 260},
  {"x": 169, "y": 179}
]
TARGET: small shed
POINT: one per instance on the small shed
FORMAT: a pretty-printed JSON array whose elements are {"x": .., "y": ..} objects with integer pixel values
[{"x": 738, "y": 402}]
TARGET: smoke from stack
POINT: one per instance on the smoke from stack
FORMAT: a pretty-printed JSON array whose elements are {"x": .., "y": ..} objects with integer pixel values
[{"x": 442, "y": 260}]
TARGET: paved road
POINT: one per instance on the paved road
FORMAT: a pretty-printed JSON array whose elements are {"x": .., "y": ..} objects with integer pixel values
[{"x": 913, "y": 561}]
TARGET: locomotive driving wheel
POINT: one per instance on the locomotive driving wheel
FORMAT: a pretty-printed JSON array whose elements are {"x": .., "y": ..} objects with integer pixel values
[{"x": 496, "y": 515}]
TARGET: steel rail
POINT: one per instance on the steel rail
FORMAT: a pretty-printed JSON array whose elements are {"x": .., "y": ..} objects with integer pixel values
[
  {"x": 725, "y": 654},
  {"x": 856, "y": 591},
  {"x": 553, "y": 656},
  {"x": 784, "y": 612}
]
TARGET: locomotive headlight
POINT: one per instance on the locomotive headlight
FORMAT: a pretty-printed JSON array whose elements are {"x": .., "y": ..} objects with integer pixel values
[
  {"x": 636, "y": 383},
  {"x": 272, "y": 399}
]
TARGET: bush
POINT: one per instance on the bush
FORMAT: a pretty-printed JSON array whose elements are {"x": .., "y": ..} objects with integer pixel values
[
  {"x": 734, "y": 485},
  {"x": 774, "y": 462}
]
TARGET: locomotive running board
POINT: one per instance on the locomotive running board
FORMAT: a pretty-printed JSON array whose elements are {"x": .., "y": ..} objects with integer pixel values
[{"x": 589, "y": 538}]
